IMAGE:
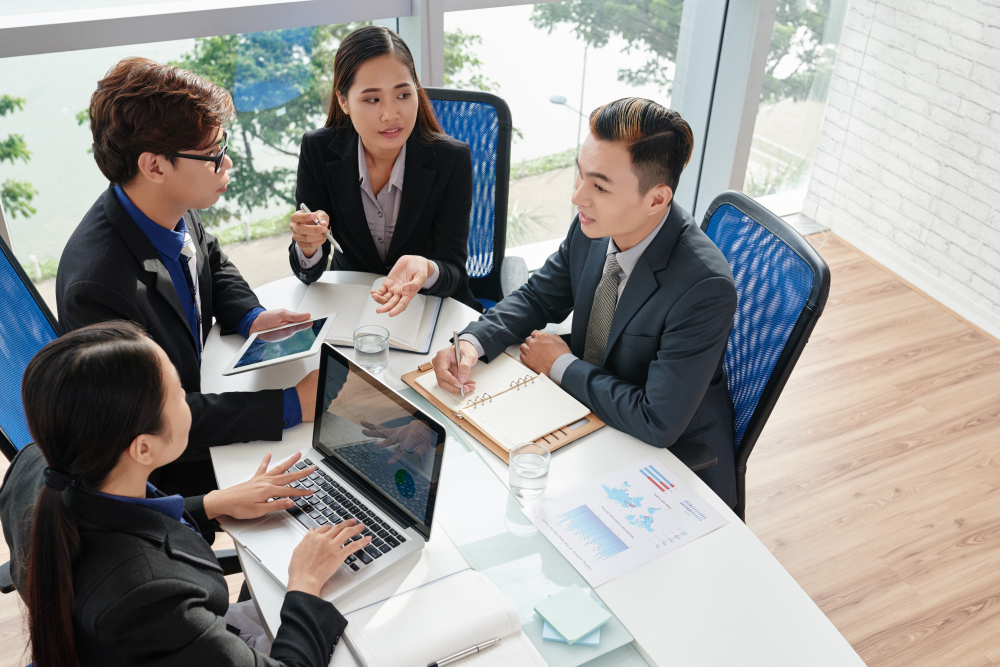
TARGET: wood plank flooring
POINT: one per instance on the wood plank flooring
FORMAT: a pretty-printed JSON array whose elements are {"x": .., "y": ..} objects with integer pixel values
[{"x": 876, "y": 482}]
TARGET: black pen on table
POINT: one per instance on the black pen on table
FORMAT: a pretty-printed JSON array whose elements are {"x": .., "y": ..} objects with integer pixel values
[
  {"x": 464, "y": 654},
  {"x": 458, "y": 358}
]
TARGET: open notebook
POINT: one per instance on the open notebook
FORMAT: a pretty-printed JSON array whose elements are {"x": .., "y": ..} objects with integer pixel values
[
  {"x": 429, "y": 623},
  {"x": 411, "y": 330},
  {"x": 512, "y": 404}
]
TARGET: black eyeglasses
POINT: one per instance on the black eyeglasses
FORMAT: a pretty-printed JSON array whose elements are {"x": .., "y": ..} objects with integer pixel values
[{"x": 217, "y": 158}]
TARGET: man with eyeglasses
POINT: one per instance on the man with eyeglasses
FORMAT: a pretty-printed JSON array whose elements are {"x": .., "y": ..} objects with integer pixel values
[{"x": 142, "y": 254}]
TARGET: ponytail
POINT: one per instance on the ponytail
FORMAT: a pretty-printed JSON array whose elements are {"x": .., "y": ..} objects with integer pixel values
[
  {"x": 49, "y": 592},
  {"x": 87, "y": 395}
]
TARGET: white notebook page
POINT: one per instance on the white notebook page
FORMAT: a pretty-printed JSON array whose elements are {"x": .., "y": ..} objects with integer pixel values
[
  {"x": 403, "y": 328},
  {"x": 522, "y": 415},
  {"x": 432, "y": 622},
  {"x": 492, "y": 378}
]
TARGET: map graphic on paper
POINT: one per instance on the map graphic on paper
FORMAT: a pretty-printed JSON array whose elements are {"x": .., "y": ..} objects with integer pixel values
[{"x": 614, "y": 524}]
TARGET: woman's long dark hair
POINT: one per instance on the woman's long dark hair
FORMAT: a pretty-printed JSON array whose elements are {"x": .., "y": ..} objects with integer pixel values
[
  {"x": 375, "y": 41},
  {"x": 87, "y": 395}
]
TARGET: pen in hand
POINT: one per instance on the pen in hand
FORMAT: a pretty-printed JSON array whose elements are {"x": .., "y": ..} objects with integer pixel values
[
  {"x": 458, "y": 359},
  {"x": 326, "y": 232}
]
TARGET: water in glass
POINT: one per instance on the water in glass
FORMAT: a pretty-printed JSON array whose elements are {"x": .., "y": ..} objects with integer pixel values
[
  {"x": 529, "y": 473},
  {"x": 371, "y": 352}
]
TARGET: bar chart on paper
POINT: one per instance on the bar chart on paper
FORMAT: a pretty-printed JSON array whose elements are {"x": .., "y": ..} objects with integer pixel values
[{"x": 629, "y": 517}]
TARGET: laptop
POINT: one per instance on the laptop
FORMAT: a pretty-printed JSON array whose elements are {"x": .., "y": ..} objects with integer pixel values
[{"x": 378, "y": 458}]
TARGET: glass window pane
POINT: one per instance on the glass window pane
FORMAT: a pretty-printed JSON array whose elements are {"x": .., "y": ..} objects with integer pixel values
[
  {"x": 280, "y": 82},
  {"x": 793, "y": 100},
  {"x": 553, "y": 64}
]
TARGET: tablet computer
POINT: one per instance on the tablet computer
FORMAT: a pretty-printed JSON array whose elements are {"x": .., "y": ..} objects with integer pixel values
[{"x": 275, "y": 346}]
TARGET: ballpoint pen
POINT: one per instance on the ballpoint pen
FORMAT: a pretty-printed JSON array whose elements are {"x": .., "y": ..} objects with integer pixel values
[
  {"x": 464, "y": 654},
  {"x": 458, "y": 358},
  {"x": 326, "y": 232}
]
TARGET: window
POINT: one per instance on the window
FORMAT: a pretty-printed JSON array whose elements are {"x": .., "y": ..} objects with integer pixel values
[
  {"x": 793, "y": 100},
  {"x": 553, "y": 64},
  {"x": 281, "y": 84}
]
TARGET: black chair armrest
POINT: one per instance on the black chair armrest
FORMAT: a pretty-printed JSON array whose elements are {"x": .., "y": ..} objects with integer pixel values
[
  {"x": 695, "y": 456},
  {"x": 229, "y": 561},
  {"x": 6, "y": 583}
]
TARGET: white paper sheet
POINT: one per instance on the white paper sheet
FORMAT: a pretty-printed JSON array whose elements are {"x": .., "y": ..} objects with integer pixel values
[{"x": 614, "y": 524}]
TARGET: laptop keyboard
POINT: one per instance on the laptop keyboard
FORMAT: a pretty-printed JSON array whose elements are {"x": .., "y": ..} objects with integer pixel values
[{"x": 333, "y": 504}]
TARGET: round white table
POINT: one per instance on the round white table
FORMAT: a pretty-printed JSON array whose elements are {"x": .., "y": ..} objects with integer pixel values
[{"x": 720, "y": 600}]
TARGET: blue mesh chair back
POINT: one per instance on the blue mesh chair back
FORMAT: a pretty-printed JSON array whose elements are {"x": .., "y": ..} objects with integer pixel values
[
  {"x": 782, "y": 284},
  {"x": 26, "y": 326},
  {"x": 483, "y": 121}
]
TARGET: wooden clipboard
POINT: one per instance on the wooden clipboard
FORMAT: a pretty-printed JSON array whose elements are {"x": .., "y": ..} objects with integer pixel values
[{"x": 553, "y": 441}]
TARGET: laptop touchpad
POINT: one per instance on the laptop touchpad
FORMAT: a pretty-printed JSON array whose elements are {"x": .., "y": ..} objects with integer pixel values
[{"x": 271, "y": 541}]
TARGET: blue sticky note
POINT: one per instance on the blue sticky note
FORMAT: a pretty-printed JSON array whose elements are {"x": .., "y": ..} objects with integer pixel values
[
  {"x": 572, "y": 613},
  {"x": 549, "y": 634}
]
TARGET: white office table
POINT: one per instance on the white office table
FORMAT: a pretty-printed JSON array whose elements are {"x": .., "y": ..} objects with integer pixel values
[{"x": 722, "y": 600}]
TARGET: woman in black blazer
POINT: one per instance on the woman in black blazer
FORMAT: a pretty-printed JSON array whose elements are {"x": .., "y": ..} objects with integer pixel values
[
  {"x": 383, "y": 178},
  {"x": 115, "y": 573}
]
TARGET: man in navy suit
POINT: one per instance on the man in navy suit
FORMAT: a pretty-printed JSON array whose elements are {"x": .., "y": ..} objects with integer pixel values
[{"x": 652, "y": 297}]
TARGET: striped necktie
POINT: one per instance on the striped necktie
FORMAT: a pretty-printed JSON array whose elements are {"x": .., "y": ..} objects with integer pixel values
[
  {"x": 602, "y": 313},
  {"x": 190, "y": 255}
]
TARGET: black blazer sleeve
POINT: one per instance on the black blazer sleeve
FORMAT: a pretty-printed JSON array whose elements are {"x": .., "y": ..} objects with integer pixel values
[
  {"x": 216, "y": 419},
  {"x": 451, "y": 229},
  {"x": 166, "y": 623},
  {"x": 546, "y": 297},
  {"x": 309, "y": 189},
  {"x": 692, "y": 342}
]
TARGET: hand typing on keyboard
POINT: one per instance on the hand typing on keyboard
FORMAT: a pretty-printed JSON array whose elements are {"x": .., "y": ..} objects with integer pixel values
[
  {"x": 321, "y": 552},
  {"x": 252, "y": 498}
]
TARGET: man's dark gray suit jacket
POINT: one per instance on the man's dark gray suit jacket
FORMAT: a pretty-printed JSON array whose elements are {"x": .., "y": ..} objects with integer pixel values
[{"x": 663, "y": 379}]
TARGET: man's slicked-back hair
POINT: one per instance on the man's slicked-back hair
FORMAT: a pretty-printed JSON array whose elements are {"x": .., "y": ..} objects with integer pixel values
[
  {"x": 659, "y": 141},
  {"x": 142, "y": 106}
]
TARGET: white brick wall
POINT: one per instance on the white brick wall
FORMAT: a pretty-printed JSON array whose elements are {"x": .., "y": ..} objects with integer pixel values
[{"x": 908, "y": 163}]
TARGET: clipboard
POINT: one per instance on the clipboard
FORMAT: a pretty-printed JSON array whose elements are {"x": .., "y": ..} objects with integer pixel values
[{"x": 558, "y": 438}]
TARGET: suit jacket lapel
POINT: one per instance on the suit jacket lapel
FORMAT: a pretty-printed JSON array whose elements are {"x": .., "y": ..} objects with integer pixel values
[
  {"x": 204, "y": 271},
  {"x": 593, "y": 269},
  {"x": 342, "y": 177},
  {"x": 417, "y": 182},
  {"x": 147, "y": 256}
]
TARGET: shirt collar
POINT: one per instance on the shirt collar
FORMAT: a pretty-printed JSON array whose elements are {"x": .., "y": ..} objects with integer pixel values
[
  {"x": 627, "y": 259},
  {"x": 168, "y": 242},
  {"x": 171, "y": 506},
  {"x": 395, "y": 178}
]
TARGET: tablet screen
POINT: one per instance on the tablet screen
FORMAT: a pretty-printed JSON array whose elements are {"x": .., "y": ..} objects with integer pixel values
[{"x": 281, "y": 342}]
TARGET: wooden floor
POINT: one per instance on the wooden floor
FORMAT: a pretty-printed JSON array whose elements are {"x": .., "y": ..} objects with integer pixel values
[{"x": 876, "y": 482}]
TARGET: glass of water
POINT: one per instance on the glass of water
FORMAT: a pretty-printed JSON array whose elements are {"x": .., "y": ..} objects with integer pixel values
[
  {"x": 371, "y": 348},
  {"x": 529, "y": 469}
]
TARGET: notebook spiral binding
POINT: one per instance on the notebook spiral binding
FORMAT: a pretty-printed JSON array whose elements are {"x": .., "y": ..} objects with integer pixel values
[
  {"x": 474, "y": 403},
  {"x": 527, "y": 379}
]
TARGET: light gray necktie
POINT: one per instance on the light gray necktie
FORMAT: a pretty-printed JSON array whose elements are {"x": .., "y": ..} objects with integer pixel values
[
  {"x": 602, "y": 313},
  {"x": 191, "y": 255}
]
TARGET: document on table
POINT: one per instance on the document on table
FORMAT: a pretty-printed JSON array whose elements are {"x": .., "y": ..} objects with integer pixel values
[{"x": 625, "y": 519}]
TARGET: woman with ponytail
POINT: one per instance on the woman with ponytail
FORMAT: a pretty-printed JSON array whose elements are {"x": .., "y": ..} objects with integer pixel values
[{"x": 113, "y": 572}]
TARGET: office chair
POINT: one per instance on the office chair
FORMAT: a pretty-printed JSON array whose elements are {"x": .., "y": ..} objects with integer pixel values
[
  {"x": 782, "y": 285},
  {"x": 482, "y": 120},
  {"x": 26, "y": 326}
]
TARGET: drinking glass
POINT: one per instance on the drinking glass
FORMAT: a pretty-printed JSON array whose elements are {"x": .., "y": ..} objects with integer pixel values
[
  {"x": 529, "y": 469},
  {"x": 371, "y": 348}
]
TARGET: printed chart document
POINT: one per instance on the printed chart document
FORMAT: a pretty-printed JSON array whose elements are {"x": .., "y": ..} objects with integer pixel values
[
  {"x": 411, "y": 330},
  {"x": 613, "y": 525},
  {"x": 432, "y": 622},
  {"x": 512, "y": 404}
]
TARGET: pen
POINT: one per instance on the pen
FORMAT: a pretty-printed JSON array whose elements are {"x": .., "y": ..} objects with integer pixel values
[
  {"x": 326, "y": 232},
  {"x": 458, "y": 358},
  {"x": 464, "y": 654}
]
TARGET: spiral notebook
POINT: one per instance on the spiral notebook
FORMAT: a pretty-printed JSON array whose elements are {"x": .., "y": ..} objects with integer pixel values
[{"x": 511, "y": 404}]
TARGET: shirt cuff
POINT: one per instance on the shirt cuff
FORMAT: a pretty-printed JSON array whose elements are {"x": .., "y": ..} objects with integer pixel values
[
  {"x": 560, "y": 365},
  {"x": 433, "y": 278},
  {"x": 308, "y": 262},
  {"x": 244, "y": 326},
  {"x": 293, "y": 408},
  {"x": 480, "y": 352}
]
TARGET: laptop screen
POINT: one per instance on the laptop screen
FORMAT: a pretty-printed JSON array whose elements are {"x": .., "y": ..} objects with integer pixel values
[{"x": 379, "y": 436}]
